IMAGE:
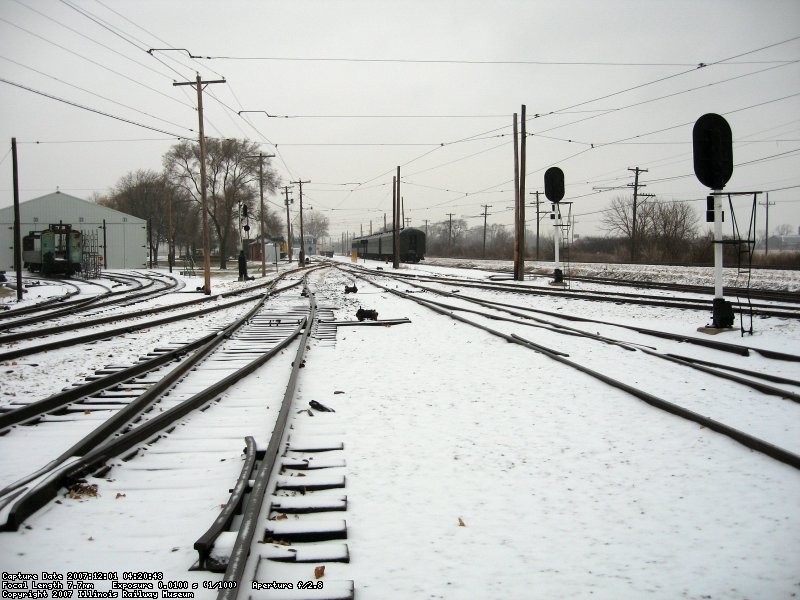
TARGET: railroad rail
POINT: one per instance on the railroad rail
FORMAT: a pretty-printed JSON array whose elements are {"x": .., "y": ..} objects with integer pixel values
[
  {"x": 746, "y": 439},
  {"x": 253, "y": 341},
  {"x": 763, "y": 310}
]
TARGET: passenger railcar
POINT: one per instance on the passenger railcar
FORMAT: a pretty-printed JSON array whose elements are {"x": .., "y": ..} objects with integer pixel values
[
  {"x": 56, "y": 250},
  {"x": 379, "y": 246}
]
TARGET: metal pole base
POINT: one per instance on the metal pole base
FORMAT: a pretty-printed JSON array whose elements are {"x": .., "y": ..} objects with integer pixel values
[{"x": 723, "y": 315}]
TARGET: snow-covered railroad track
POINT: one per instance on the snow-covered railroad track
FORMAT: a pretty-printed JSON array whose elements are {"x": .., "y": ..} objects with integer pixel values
[
  {"x": 136, "y": 287},
  {"x": 23, "y": 344},
  {"x": 755, "y": 413},
  {"x": 244, "y": 347},
  {"x": 290, "y": 527},
  {"x": 780, "y": 308}
]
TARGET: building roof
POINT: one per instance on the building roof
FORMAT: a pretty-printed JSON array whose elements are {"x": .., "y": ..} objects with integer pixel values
[{"x": 60, "y": 206}]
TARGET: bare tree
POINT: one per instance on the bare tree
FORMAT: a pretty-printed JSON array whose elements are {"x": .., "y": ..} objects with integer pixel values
[
  {"x": 233, "y": 183},
  {"x": 145, "y": 194},
  {"x": 672, "y": 226},
  {"x": 618, "y": 219},
  {"x": 314, "y": 224}
]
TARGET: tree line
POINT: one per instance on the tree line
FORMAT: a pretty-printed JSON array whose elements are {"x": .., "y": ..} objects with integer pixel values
[
  {"x": 664, "y": 232},
  {"x": 171, "y": 200}
]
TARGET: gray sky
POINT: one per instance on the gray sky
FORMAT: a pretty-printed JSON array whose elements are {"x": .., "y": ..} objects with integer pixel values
[{"x": 430, "y": 86}]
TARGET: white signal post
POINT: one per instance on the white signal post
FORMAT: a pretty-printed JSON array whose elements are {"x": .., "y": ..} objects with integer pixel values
[
  {"x": 718, "y": 250},
  {"x": 556, "y": 236}
]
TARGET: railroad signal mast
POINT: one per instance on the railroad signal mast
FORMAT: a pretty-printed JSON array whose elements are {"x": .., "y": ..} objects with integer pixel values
[
  {"x": 554, "y": 191},
  {"x": 712, "y": 142}
]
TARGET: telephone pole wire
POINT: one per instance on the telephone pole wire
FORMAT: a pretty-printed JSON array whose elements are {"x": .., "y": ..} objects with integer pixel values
[{"x": 206, "y": 240}]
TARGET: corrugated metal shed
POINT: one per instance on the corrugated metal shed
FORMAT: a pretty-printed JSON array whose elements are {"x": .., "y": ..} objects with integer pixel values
[{"x": 124, "y": 244}]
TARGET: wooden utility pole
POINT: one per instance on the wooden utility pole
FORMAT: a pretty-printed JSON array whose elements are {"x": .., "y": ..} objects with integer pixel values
[
  {"x": 396, "y": 234},
  {"x": 537, "y": 223},
  {"x": 288, "y": 224},
  {"x": 486, "y": 208},
  {"x": 767, "y": 204},
  {"x": 516, "y": 198},
  {"x": 261, "y": 156},
  {"x": 170, "y": 233},
  {"x": 199, "y": 83},
  {"x": 635, "y": 185},
  {"x": 520, "y": 273},
  {"x": 17, "y": 219},
  {"x": 302, "y": 238},
  {"x": 450, "y": 236}
]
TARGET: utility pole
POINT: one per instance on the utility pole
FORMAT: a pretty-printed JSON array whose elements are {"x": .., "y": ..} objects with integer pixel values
[
  {"x": 426, "y": 228},
  {"x": 486, "y": 208},
  {"x": 199, "y": 83},
  {"x": 261, "y": 156},
  {"x": 288, "y": 223},
  {"x": 516, "y": 197},
  {"x": 397, "y": 216},
  {"x": 537, "y": 223},
  {"x": 450, "y": 236},
  {"x": 170, "y": 233},
  {"x": 767, "y": 204},
  {"x": 17, "y": 219},
  {"x": 636, "y": 185},
  {"x": 302, "y": 239},
  {"x": 520, "y": 273}
]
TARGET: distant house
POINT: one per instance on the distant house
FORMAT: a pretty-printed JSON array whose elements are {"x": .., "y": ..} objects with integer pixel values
[
  {"x": 269, "y": 248},
  {"x": 121, "y": 238},
  {"x": 787, "y": 242}
]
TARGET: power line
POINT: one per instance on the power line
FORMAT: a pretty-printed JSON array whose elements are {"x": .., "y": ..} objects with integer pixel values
[
  {"x": 477, "y": 61},
  {"x": 83, "y": 35},
  {"x": 94, "y": 62},
  {"x": 54, "y": 78},
  {"x": 94, "y": 110}
]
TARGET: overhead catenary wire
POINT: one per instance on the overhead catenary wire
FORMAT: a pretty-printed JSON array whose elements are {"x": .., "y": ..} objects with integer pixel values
[
  {"x": 67, "y": 83},
  {"x": 96, "y": 63},
  {"x": 89, "y": 109}
]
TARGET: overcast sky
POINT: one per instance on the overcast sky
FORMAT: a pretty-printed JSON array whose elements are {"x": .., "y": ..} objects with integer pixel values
[{"x": 427, "y": 85}]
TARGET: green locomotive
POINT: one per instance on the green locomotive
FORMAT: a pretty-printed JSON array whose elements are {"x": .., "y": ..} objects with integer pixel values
[{"x": 56, "y": 250}]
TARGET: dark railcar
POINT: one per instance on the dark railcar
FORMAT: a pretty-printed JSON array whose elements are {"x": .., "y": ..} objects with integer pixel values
[{"x": 379, "y": 246}]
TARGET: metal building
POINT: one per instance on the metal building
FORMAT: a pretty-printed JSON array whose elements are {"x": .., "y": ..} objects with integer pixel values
[{"x": 122, "y": 238}]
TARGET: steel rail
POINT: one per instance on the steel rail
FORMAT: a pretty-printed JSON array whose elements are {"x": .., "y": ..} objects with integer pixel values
[
  {"x": 37, "y": 408},
  {"x": 622, "y": 298},
  {"x": 707, "y": 368},
  {"x": 717, "y": 345},
  {"x": 135, "y": 408},
  {"x": 45, "y": 304},
  {"x": 250, "y": 522},
  {"x": 69, "y": 471},
  {"x": 747, "y": 440},
  {"x": 97, "y": 302},
  {"x": 205, "y": 543}
]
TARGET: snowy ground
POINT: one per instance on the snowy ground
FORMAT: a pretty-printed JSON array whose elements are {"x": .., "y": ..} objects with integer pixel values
[{"x": 474, "y": 469}]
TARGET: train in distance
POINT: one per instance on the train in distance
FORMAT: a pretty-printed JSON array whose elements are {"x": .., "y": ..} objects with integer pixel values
[
  {"x": 56, "y": 250},
  {"x": 378, "y": 246}
]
